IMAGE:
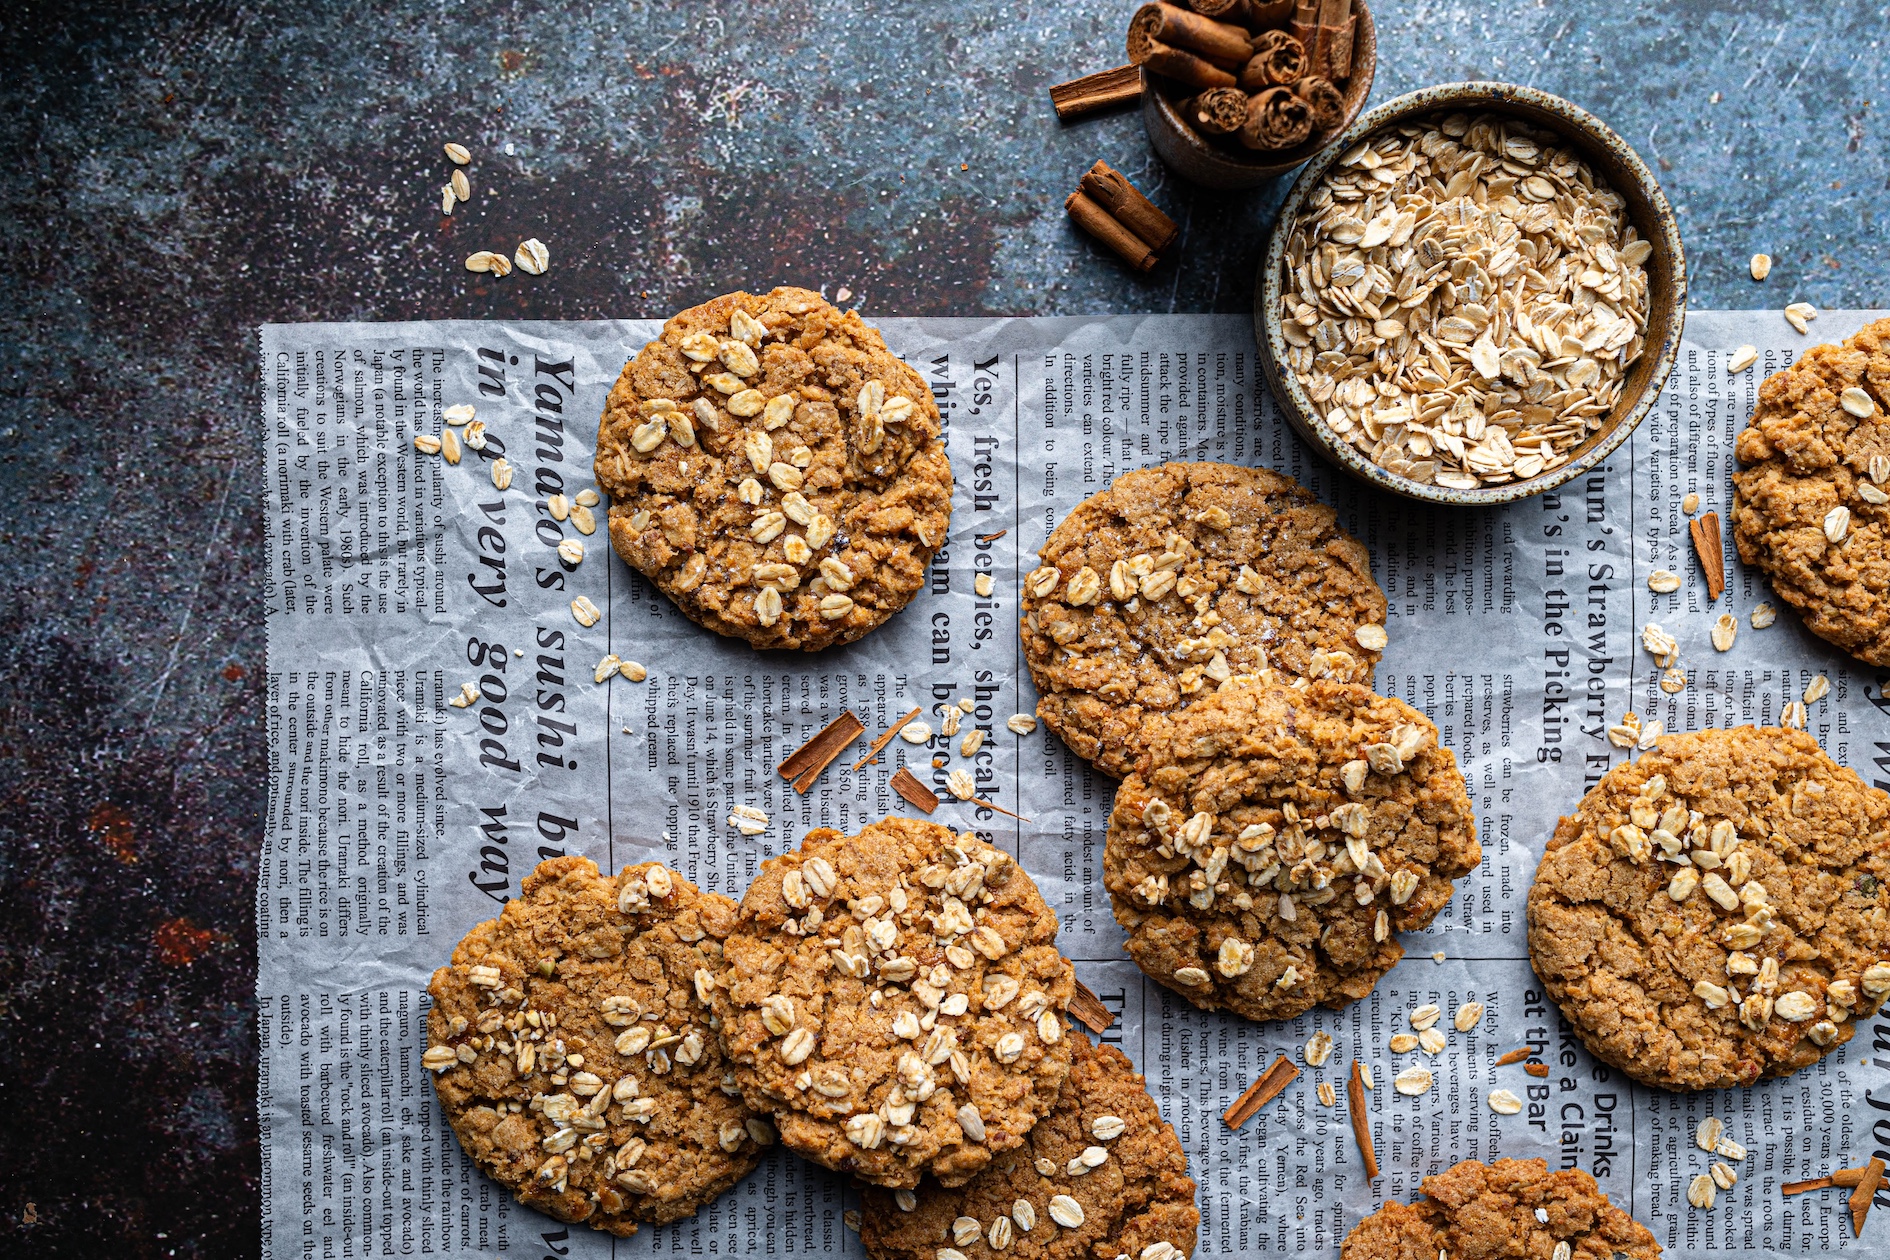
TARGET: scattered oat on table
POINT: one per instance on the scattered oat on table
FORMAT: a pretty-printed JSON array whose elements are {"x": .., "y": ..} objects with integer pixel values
[
  {"x": 915, "y": 732},
  {"x": 468, "y": 695},
  {"x": 1318, "y": 1049},
  {"x": 532, "y": 257},
  {"x": 1021, "y": 723},
  {"x": 633, "y": 670},
  {"x": 1800, "y": 314},
  {"x": 1742, "y": 358},
  {"x": 1817, "y": 689},
  {"x": 1761, "y": 266},
  {"x": 1504, "y": 1103},
  {"x": 1691, "y": 503},
  {"x": 1673, "y": 681},
  {"x": 984, "y": 584},
  {"x": 486, "y": 260},
  {"x": 571, "y": 551},
  {"x": 1412, "y": 1081},
  {"x": 1663, "y": 581},
  {"x": 585, "y": 611},
  {"x": 458, "y": 153},
  {"x": 1725, "y": 629},
  {"x": 1763, "y": 615},
  {"x": 748, "y": 820}
]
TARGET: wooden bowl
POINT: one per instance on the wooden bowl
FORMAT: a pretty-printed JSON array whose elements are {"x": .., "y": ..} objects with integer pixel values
[
  {"x": 1192, "y": 156},
  {"x": 1610, "y": 157}
]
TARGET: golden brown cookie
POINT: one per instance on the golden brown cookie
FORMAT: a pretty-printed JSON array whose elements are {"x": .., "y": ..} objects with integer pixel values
[
  {"x": 896, "y": 999},
  {"x": 1156, "y": 591},
  {"x": 1102, "y": 1175},
  {"x": 1274, "y": 840},
  {"x": 1811, "y": 507},
  {"x": 775, "y": 470},
  {"x": 1510, "y": 1210},
  {"x": 1716, "y": 912},
  {"x": 573, "y": 1051}
]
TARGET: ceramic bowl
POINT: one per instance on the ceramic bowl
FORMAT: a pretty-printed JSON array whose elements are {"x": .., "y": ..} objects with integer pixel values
[
  {"x": 1610, "y": 157},
  {"x": 1192, "y": 156}
]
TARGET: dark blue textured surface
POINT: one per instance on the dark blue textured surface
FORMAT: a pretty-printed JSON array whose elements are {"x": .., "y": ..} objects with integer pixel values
[{"x": 174, "y": 175}]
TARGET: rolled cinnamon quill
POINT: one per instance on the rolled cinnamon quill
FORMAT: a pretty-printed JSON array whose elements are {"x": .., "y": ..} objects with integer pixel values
[
  {"x": 1276, "y": 119},
  {"x": 1325, "y": 100},
  {"x": 1219, "y": 42},
  {"x": 1111, "y": 189},
  {"x": 1304, "y": 25},
  {"x": 1332, "y": 50},
  {"x": 1179, "y": 64},
  {"x": 1231, "y": 11},
  {"x": 1278, "y": 60},
  {"x": 1098, "y": 222},
  {"x": 1217, "y": 111}
]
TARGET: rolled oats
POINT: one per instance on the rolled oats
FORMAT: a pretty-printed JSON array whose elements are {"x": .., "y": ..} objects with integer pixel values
[
  {"x": 1663, "y": 581},
  {"x": 1800, "y": 314},
  {"x": 1763, "y": 615},
  {"x": 532, "y": 257},
  {"x": 1504, "y": 1103},
  {"x": 1412, "y": 1081},
  {"x": 486, "y": 260},
  {"x": 1463, "y": 300},
  {"x": 1021, "y": 723}
]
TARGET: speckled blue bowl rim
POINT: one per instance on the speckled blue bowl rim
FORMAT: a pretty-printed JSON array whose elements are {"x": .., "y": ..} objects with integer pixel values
[{"x": 1654, "y": 220}]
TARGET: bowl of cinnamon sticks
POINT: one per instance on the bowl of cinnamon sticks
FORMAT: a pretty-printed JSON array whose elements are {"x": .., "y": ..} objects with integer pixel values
[{"x": 1237, "y": 92}]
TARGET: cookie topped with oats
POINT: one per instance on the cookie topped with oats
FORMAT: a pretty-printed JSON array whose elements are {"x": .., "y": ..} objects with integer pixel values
[
  {"x": 1512, "y": 1207},
  {"x": 1463, "y": 298},
  {"x": 1155, "y": 592},
  {"x": 1275, "y": 839},
  {"x": 1102, "y": 1174},
  {"x": 775, "y": 470},
  {"x": 896, "y": 999},
  {"x": 1811, "y": 507},
  {"x": 1719, "y": 910},
  {"x": 573, "y": 1049}
]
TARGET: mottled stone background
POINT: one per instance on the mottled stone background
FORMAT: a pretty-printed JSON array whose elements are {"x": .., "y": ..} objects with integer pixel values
[{"x": 174, "y": 175}]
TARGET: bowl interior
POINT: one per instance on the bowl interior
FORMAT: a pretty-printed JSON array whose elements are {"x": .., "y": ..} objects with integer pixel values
[
  {"x": 1613, "y": 161},
  {"x": 1164, "y": 97}
]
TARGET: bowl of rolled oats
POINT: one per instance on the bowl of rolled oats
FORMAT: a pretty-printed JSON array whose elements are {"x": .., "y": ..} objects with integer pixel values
[{"x": 1472, "y": 296}]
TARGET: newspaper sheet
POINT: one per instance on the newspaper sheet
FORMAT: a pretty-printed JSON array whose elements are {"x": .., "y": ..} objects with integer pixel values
[{"x": 396, "y": 821}]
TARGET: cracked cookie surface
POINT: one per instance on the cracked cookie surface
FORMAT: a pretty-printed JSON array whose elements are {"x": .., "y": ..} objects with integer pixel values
[
  {"x": 1152, "y": 593},
  {"x": 1275, "y": 839},
  {"x": 1752, "y": 957},
  {"x": 896, "y": 999},
  {"x": 775, "y": 470},
  {"x": 572, "y": 1048},
  {"x": 1811, "y": 505},
  {"x": 1103, "y": 1174},
  {"x": 1509, "y": 1210}
]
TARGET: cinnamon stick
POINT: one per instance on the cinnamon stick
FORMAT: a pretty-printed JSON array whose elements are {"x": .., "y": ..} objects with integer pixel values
[
  {"x": 1304, "y": 25},
  {"x": 1862, "y": 1195},
  {"x": 879, "y": 745},
  {"x": 1278, "y": 59},
  {"x": 1848, "y": 1177},
  {"x": 1217, "y": 111},
  {"x": 1111, "y": 190},
  {"x": 1105, "y": 89},
  {"x": 1332, "y": 58},
  {"x": 1361, "y": 1123},
  {"x": 1089, "y": 1010},
  {"x": 1098, "y": 222},
  {"x": 807, "y": 761},
  {"x": 1233, "y": 11},
  {"x": 1801, "y": 1187},
  {"x": 1711, "y": 549},
  {"x": 908, "y": 786},
  {"x": 1181, "y": 65},
  {"x": 1220, "y": 42},
  {"x": 1260, "y": 1093},
  {"x": 1276, "y": 119},
  {"x": 1514, "y": 1056},
  {"x": 1325, "y": 100},
  {"x": 973, "y": 800},
  {"x": 1262, "y": 14}
]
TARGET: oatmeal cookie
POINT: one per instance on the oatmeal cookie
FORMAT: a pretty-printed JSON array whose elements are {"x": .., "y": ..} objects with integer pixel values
[
  {"x": 1101, "y": 1175},
  {"x": 1176, "y": 578},
  {"x": 573, "y": 1051},
  {"x": 896, "y": 999},
  {"x": 1275, "y": 838},
  {"x": 1811, "y": 507},
  {"x": 1508, "y": 1210},
  {"x": 1717, "y": 912},
  {"x": 775, "y": 470}
]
